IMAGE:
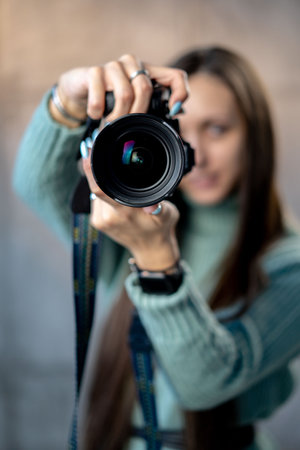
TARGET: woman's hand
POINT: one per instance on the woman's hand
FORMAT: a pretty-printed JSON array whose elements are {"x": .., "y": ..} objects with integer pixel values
[{"x": 82, "y": 91}]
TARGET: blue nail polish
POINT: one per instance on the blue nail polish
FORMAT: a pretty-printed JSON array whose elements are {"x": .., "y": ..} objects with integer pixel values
[
  {"x": 84, "y": 150},
  {"x": 89, "y": 142},
  {"x": 95, "y": 133},
  {"x": 175, "y": 109}
]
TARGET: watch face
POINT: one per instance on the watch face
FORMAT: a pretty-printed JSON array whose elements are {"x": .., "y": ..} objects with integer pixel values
[
  {"x": 162, "y": 283},
  {"x": 158, "y": 282}
]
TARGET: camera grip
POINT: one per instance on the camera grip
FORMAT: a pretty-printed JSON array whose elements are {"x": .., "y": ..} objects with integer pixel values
[{"x": 109, "y": 103}]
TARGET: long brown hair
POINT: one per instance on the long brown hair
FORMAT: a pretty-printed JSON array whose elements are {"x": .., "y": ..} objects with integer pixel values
[{"x": 112, "y": 393}]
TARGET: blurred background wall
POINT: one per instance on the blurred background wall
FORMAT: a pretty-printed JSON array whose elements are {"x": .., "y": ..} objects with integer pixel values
[{"x": 39, "y": 40}]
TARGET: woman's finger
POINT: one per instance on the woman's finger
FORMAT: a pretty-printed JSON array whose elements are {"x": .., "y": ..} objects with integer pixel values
[
  {"x": 141, "y": 84},
  {"x": 116, "y": 80},
  {"x": 96, "y": 92},
  {"x": 176, "y": 79}
]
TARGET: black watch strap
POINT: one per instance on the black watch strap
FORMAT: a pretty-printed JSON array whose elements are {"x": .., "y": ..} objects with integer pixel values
[{"x": 159, "y": 282}]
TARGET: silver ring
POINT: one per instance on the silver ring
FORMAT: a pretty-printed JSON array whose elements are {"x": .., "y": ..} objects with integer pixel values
[
  {"x": 137, "y": 73},
  {"x": 93, "y": 196},
  {"x": 157, "y": 210}
]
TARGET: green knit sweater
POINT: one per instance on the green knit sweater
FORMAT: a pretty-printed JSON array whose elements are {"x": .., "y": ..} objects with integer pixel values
[{"x": 203, "y": 361}]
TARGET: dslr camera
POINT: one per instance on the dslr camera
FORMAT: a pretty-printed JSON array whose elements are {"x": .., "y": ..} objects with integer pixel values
[{"x": 139, "y": 159}]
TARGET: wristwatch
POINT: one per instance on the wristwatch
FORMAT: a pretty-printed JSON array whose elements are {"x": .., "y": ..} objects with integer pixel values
[{"x": 158, "y": 282}]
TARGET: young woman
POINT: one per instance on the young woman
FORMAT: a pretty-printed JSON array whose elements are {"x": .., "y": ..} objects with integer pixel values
[{"x": 224, "y": 335}]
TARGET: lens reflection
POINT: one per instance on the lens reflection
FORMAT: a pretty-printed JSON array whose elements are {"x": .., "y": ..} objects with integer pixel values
[
  {"x": 140, "y": 162},
  {"x": 127, "y": 151},
  {"x": 137, "y": 157}
]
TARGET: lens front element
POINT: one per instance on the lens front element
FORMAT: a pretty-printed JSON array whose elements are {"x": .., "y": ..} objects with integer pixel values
[{"x": 138, "y": 159}]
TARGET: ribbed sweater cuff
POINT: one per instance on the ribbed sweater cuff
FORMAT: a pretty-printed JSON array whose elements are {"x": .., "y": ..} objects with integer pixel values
[
  {"x": 174, "y": 317},
  {"x": 47, "y": 142},
  {"x": 49, "y": 126}
]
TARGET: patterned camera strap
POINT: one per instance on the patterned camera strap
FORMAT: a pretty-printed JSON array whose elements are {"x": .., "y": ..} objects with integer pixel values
[
  {"x": 86, "y": 242},
  {"x": 86, "y": 248}
]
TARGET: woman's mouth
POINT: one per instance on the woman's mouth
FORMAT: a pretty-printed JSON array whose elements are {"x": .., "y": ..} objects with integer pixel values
[{"x": 203, "y": 180}]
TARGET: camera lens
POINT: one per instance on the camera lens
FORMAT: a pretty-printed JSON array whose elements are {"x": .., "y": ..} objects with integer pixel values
[{"x": 138, "y": 160}]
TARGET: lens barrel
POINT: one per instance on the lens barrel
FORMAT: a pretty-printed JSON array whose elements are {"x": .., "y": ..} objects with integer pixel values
[{"x": 138, "y": 160}]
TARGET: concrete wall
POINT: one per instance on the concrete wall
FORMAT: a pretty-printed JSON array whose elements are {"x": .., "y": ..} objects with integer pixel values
[{"x": 39, "y": 40}]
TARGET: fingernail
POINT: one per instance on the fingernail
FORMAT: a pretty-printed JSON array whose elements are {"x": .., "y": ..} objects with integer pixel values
[
  {"x": 84, "y": 150},
  {"x": 154, "y": 210},
  {"x": 149, "y": 209},
  {"x": 89, "y": 142},
  {"x": 175, "y": 109},
  {"x": 95, "y": 133}
]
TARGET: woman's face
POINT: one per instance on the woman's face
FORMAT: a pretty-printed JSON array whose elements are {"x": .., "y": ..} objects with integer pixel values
[{"x": 214, "y": 127}]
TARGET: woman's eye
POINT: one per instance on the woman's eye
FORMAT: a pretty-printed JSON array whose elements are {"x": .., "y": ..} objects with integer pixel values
[{"x": 216, "y": 130}]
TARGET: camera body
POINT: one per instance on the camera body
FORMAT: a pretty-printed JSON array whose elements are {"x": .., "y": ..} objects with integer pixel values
[{"x": 139, "y": 159}]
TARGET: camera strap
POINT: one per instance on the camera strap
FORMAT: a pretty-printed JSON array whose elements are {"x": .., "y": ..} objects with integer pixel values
[
  {"x": 86, "y": 245},
  {"x": 141, "y": 354}
]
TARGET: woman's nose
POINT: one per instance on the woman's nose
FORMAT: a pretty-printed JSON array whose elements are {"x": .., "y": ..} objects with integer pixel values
[{"x": 200, "y": 151}]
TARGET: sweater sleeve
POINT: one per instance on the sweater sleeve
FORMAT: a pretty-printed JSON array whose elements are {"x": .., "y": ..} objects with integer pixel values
[
  {"x": 208, "y": 362},
  {"x": 46, "y": 173}
]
